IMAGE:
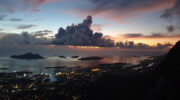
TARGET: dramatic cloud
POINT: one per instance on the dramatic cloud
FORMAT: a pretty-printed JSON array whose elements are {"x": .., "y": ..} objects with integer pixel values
[
  {"x": 16, "y": 19},
  {"x": 87, "y": 22},
  {"x": 153, "y": 35},
  {"x": 24, "y": 38},
  {"x": 26, "y": 26},
  {"x": 131, "y": 44},
  {"x": 81, "y": 35}
]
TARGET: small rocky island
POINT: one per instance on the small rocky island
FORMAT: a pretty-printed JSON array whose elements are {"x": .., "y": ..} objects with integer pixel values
[
  {"x": 62, "y": 57},
  {"x": 74, "y": 56},
  {"x": 28, "y": 56},
  {"x": 91, "y": 58}
]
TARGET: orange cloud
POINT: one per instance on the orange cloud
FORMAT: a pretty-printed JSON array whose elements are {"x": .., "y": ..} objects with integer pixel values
[
  {"x": 121, "y": 16},
  {"x": 121, "y": 10}
]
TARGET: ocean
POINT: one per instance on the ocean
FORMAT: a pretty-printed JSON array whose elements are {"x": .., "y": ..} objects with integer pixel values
[{"x": 52, "y": 53}]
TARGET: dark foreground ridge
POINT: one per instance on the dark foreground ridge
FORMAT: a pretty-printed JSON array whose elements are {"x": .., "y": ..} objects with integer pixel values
[
  {"x": 28, "y": 56},
  {"x": 156, "y": 79},
  {"x": 168, "y": 77}
]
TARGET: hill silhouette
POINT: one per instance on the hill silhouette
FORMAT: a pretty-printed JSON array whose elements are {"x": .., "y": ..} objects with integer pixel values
[{"x": 168, "y": 77}]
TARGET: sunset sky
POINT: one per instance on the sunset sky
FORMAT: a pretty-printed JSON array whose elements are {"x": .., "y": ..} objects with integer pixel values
[{"x": 147, "y": 21}]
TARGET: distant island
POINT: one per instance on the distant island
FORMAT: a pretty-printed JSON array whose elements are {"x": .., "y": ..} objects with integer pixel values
[
  {"x": 74, "y": 56},
  {"x": 62, "y": 57},
  {"x": 28, "y": 56},
  {"x": 91, "y": 58}
]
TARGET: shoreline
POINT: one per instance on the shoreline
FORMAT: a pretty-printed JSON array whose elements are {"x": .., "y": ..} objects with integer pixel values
[{"x": 20, "y": 83}]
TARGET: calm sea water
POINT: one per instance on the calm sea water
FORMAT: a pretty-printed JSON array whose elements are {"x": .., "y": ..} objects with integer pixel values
[
  {"x": 51, "y": 53},
  {"x": 39, "y": 66}
]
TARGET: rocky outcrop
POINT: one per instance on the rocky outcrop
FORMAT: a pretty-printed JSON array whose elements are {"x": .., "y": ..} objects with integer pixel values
[
  {"x": 28, "y": 56},
  {"x": 168, "y": 77}
]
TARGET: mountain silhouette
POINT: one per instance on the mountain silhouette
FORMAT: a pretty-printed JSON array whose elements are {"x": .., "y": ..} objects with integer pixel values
[{"x": 168, "y": 77}]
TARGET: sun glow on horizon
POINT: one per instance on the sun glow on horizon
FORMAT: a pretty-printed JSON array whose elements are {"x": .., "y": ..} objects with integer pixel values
[
  {"x": 148, "y": 41},
  {"x": 82, "y": 47}
]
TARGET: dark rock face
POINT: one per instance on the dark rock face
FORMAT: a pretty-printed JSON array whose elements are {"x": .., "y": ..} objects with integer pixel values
[
  {"x": 91, "y": 58},
  {"x": 28, "y": 56},
  {"x": 172, "y": 60},
  {"x": 168, "y": 77}
]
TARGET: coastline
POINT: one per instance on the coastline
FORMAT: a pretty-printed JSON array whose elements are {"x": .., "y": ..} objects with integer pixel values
[{"x": 68, "y": 85}]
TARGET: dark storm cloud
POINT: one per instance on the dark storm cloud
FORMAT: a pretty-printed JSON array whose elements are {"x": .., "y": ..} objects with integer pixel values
[
  {"x": 15, "y": 19},
  {"x": 81, "y": 35},
  {"x": 26, "y": 26},
  {"x": 87, "y": 22},
  {"x": 153, "y": 35}
]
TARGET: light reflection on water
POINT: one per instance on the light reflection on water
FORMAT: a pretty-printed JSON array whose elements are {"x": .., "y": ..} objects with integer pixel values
[{"x": 38, "y": 66}]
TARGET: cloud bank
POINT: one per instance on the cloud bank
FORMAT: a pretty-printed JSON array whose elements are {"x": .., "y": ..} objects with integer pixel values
[
  {"x": 81, "y": 35},
  {"x": 132, "y": 45},
  {"x": 23, "y": 38}
]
